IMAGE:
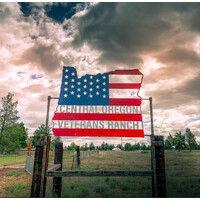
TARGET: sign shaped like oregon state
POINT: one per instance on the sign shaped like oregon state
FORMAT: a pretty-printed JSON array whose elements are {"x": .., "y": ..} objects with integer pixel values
[{"x": 102, "y": 105}]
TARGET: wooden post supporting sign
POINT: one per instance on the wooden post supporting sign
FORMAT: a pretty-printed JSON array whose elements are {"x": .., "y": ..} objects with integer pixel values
[
  {"x": 58, "y": 159},
  {"x": 159, "y": 176},
  {"x": 152, "y": 138}
]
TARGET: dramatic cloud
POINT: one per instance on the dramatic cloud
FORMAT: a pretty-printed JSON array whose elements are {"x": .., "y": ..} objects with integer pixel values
[
  {"x": 125, "y": 31},
  {"x": 161, "y": 39},
  {"x": 40, "y": 54}
]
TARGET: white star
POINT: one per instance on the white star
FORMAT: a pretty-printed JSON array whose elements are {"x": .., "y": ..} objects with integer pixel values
[
  {"x": 66, "y": 83},
  {"x": 84, "y": 92},
  {"x": 91, "y": 83},
  {"x": 66, "y": 70},
  {"x": 91, "y": 89},
  {"x": 79, "y": 83},
  {"x": 104, "y": 77},
  {"x": 85, "y": 80},
  {"x": 72, "y": 92},
  {"x": 91, "y": 77},
  {"x": 72, "y": 86},
  {"x": 97, "y": 86},
  {"x": 66, "y": 76},
  {"x": 72, "y": 80},
  {"x": 78, "y": 95},
  {"x": 104, "y": 96},
  {"x": 90, "y": 95},
  {"x": 79, "y": 89},
  {"x": 85, "y": 86},
  {"x": 97, "y": 93},
  {"x": 65, "y": 95},
  {"x": 104, "y": 83},
  {"x": 97, "y": 80},
  {"x": 104, "y": 89},
  {"x": 65, "y": 89},
  {"x": 73, "y": 74}
]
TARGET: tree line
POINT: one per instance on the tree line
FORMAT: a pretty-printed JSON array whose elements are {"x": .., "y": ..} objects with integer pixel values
[
  {"x": 108, "y": 147},
  {"x": 180, "y": 141},
  {"x": 14, "y": 134}
]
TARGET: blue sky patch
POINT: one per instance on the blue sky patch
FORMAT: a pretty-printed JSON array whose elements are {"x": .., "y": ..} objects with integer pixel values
[{"x": 57, "y": 11}]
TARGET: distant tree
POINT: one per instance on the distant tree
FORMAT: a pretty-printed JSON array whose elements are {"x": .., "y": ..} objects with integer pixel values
[
  {"x": 144, "y": 147},
  {"x": 179, "y": 141},
  {"x": 120, "y": 146},
  {"x": 198, "y": 146},
  {"x": 91, "y": 146},
  {"x": 8, "y": 114},
  {"x": 128, "y": 147},
  {"x": 84, "y": 147},
  {"x": 136, "y": 146},
  {"x": 105, "y": 147},
  {"x": 169, "y": 142},
  {"x": 15, "y": 138},
  {"x": 190, "y": 140},
  {"x": 39, "y": 132},
  {"x": 111, "y": 147},
  {"x": 72, "y": 147},
  {"x": 55, "y": 141}
]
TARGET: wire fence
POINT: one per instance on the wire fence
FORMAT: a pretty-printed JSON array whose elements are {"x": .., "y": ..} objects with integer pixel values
[{"x": 182, "y": 168}]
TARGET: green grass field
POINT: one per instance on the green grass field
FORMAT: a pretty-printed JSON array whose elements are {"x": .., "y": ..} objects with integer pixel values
[
  {"x": 12, "y": 159},
  {"x": 182, "y": 170}
]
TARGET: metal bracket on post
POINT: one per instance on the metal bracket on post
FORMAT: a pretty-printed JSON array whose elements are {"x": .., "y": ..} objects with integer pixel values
[
  {"x": 151, "y": 140},
  {"x": 152, "y": 149}
]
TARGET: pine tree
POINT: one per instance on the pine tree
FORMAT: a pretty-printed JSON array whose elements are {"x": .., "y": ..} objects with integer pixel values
[
  {"x": 54, "y": 141},
  {"x": 91, "y": 146},
  {"x": 190, "y": 139},
  {"x": 169, "y": 142},
  {"x": 8, "y": 113},
  {"x": 39, "y": 132},
  {"x": 179, "y": 141}
]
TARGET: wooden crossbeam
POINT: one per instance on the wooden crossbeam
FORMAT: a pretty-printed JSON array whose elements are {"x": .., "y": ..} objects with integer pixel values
[
  {"x": 54, "y": 167},
  {"x": 69, "y": 173}
]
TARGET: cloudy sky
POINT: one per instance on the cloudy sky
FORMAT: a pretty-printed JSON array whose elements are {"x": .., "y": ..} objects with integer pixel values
[{"x": 161, "y": 39}]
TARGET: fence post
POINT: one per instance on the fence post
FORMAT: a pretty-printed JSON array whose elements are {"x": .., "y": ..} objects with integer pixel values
[
  {"x": 45, "y": 163},
  {"x": 78, "y": 157},
  {"x": 37, "y": 170},
  {"x": 159, "y": 177},
  {"x": 58, "y": 159}
]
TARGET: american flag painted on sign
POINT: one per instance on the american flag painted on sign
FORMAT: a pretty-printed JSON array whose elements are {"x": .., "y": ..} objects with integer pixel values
[{"x": 103, "y": 105}]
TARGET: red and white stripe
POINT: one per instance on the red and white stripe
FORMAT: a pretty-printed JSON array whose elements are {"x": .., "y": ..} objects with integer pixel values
[{"x": 124, "y": 86}]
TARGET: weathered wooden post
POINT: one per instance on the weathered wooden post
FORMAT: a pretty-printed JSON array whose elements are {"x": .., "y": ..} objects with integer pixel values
[
  {"x": 45, "y": 162},
  {"x": 47, "y": 141},
  {"x": 78, "y": 161},
  {"x": 159, "y": 176},
  {"x": 58, "y": 159},
  {"x": 37, "y": 170}
]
